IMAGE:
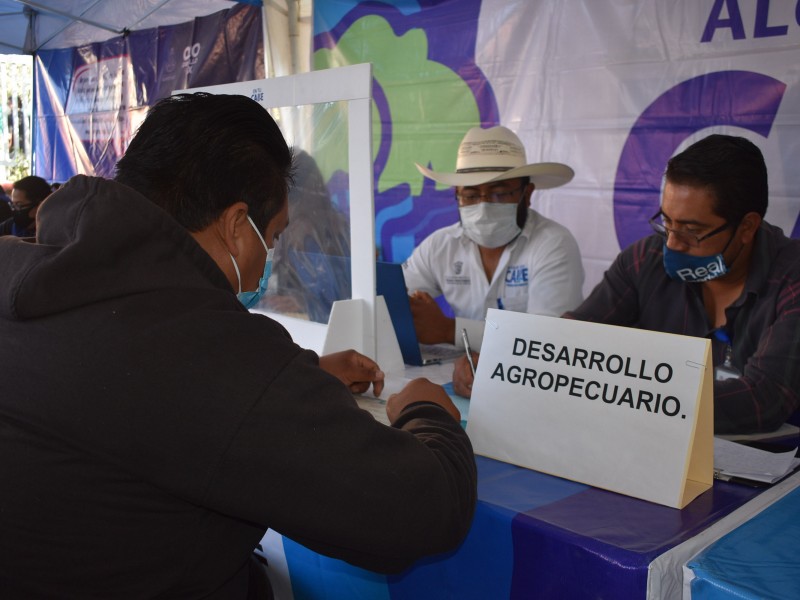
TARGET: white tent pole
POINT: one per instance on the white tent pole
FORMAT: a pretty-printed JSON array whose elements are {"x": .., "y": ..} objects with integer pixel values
[
  {"x": 4, "y": 154},
  {"x": 30, "y": 130},
  {"x": 293, "y": 34},
  {"x": 269, "y": 68}
]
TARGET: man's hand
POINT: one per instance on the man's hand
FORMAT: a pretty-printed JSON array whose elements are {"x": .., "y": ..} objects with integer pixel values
[
  {"x": 355, "y": 370},
  {"x": 462, "y": 375},
  {"x": 432, "y": 326},
  {"x": 420, "y": 390}
]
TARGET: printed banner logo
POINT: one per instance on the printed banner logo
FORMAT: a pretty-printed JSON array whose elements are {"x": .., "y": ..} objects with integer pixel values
[{"x": 190, "y": 56}]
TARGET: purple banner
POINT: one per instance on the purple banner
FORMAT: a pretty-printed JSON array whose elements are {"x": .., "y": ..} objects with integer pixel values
[{"x": 90, "y": 99}]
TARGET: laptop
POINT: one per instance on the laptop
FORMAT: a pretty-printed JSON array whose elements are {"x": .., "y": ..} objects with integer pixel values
[{"x": 391, "y": 284}]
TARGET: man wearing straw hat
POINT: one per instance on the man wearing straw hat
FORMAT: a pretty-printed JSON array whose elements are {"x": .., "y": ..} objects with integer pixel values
[{"x": 501, "y": 253}]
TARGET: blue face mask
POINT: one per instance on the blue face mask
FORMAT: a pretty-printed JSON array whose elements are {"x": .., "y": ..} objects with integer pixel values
[
  {"x": 250, "y": 299},
  {"x": 693, "y": 269}
]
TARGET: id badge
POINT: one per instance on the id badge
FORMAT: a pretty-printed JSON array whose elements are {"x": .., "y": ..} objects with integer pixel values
[
  {"x": 726, "y": 370},
  {"x": 723, "y": 372}
]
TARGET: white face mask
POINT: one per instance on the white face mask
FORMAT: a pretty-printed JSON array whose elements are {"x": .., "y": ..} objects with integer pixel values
[{"x": 490, "y": 224}]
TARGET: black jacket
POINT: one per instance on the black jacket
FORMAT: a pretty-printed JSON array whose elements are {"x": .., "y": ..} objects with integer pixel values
[{"x": 151, "y": 429}]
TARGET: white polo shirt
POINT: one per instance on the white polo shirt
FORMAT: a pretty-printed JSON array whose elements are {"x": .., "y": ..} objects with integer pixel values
[{"x": 539, "y": 272}]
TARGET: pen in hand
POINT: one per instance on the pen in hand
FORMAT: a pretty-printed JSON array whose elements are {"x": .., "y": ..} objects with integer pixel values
[{"x": 469, "y": 351}]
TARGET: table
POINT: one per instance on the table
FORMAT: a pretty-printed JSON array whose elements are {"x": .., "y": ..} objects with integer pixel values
[
  {"x": 536, "y": 536},
  {"x": 757, "y": 560}
]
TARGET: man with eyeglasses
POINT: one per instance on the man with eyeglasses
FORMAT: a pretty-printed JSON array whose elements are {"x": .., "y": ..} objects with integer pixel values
[
  {"x": 501, "y": 253},
  {"x": 26, "y": 196},
  {"x": 714, "y": 268}
]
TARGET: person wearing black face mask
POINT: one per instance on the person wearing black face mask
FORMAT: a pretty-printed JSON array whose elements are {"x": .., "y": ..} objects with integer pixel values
[{"x": 27, "y": 195}]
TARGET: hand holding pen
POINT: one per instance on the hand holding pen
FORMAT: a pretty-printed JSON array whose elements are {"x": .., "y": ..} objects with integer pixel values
[
  {"x": 465, "y": 338},
  {"x": 464, "y": 370}
]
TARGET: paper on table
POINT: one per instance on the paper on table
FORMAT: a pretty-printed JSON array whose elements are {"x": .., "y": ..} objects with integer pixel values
[
  {"x": 393, "y": 384},
  {"x": 377, "y": 406},
  {"x": 737, "y": 460},
  {"x": 374, "y": 406}
]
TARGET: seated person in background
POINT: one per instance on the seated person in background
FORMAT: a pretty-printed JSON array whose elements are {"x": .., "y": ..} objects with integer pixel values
[
  {"x": 501, "y": 253},
  {"x": 312, "y": 268},
  {"x": 26, "y": 196},
  {"x": 714, "y": 268},
  {"x": 172, "y": 426}
]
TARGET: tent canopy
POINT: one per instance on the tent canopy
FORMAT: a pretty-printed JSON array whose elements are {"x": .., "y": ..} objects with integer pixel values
[{"x": 27, "y": 26}]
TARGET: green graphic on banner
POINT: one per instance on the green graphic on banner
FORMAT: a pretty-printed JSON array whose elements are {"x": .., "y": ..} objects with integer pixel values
[{"x": 426, "y": 101}]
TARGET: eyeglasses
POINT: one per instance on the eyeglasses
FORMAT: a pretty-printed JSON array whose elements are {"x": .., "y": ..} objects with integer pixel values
[
  {"x": 471, "y": 197},
  {"x": 681, "y": 235}
]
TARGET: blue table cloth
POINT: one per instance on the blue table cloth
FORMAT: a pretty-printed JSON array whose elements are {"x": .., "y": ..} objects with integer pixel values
[
  {"x": 757, "y": 560},
  {"x": 533, "y": 536}
]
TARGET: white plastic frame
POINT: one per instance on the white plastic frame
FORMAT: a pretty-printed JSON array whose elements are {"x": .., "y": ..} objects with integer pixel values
[{"x": 353, "y": 322}]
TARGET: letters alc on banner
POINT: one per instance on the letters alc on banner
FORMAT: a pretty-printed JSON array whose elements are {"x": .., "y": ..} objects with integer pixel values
[{"x": 623, "y": 409}]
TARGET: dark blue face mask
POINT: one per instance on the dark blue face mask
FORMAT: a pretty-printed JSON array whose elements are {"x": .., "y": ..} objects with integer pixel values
[
  {"x": 22, "y": 217},
  {"x": 697, "y": 269},
  {"x": 693, "y": 269}
]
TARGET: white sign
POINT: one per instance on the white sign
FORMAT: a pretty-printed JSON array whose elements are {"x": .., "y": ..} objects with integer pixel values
[{"x": 618, "y": 408}]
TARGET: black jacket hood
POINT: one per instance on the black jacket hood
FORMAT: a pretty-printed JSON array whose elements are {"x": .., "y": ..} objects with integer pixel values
[{"x": 82, "y": 255}]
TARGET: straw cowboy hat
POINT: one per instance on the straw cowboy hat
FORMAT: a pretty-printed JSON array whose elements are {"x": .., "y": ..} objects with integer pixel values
[{"x": 493, "y": 154}]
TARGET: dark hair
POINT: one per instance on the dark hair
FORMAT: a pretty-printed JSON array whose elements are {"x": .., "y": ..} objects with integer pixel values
[
  {"x": 36, "y": 189},
  {"x": 732, "y": 168},
  {"x": 196, "y": 154}
]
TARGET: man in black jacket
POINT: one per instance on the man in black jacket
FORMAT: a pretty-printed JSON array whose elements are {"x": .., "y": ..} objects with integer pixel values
[{"x": 155, "y": 428}]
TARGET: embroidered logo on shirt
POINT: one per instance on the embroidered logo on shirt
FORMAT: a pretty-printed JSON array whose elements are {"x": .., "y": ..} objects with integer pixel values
[
  {"x": 517, "y": 276},
  {"x": 457, "y": 266}
]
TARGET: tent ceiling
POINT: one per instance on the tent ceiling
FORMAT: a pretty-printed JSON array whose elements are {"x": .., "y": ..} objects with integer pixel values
[{"x": 27, "y": 26}]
